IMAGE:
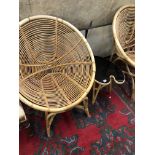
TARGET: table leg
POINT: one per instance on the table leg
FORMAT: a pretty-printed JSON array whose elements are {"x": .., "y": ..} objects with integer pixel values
[
  {"x": 95, "y": 91},
  {"x": 110, "y": 87}
]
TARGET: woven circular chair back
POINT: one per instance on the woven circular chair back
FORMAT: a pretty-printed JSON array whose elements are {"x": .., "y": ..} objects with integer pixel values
[
  {"x": 124, "y": 33},
  {"x": 57, "y": 66}
]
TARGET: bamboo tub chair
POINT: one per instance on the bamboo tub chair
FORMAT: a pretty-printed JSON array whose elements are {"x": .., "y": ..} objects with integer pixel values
[
  {"x": 124, "y": 36},
  {"x": 57, "y": 66}
]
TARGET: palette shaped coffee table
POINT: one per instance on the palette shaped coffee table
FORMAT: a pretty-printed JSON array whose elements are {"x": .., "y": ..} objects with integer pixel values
[{"x": 106, "y": 73}]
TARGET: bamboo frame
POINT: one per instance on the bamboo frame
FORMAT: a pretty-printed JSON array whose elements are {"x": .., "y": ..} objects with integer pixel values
[
  {"x": 124, "y": 36},
  {"x": 50, "y": 116},
  {"x": 57, "y": 66},
  {"x": 49, "y": 119},
  {"x": 84, "y": 106}
]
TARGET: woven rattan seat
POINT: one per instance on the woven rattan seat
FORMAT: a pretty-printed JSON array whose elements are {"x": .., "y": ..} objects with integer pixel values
[{"x": 57, "y": 66}]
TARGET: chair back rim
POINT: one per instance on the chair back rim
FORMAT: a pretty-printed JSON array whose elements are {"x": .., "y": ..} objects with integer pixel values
[
  {"x": 62, "y": 109},
  {"x": 119, "y": 48}
]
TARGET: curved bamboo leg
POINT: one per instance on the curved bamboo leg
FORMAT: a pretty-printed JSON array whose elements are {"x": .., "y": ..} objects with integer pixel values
[
  {"x": 133, "y": 82},
  {"x": 85, "y": 104},
  {"x": 49, "y": 119}
]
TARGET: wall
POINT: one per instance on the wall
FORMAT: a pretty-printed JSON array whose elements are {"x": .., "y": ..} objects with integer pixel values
[{"x": 80, "y": 13}]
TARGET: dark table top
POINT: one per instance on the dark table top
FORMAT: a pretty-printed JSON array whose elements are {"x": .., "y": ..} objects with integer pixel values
[{"x": 105, "y": 68}]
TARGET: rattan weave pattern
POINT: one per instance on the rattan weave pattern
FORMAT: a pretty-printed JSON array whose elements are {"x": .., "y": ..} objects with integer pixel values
[
  {"x": 124, "y": 33},
  {"x": 57, "y": 66}
]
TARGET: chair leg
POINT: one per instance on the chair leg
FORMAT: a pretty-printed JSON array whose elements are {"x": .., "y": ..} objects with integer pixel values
[
  {"x": 49, "y": 119},
  {"x": 133, "y": 82},
  {"x": 85, "y": 104}
]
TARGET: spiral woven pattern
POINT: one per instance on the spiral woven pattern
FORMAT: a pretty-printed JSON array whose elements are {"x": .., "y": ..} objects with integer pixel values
[
  {"x": 57, "y": 65},
  {"x": 124, "y": 33}
]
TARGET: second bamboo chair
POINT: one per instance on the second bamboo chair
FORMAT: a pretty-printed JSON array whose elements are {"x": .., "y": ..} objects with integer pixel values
[{"x": 124, "y": 36}]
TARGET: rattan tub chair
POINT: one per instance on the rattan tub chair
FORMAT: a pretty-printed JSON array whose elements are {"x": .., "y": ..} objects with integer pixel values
[
  {"x": 57, "y": 66},
  {"x": 124, "y": 37}
]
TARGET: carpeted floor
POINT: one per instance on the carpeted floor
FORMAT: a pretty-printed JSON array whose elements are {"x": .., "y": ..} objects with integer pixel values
[{"x": 109, "y": 131}]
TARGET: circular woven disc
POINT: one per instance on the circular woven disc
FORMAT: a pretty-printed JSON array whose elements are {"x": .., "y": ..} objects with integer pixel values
[{"x": 57, "y": 65}]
